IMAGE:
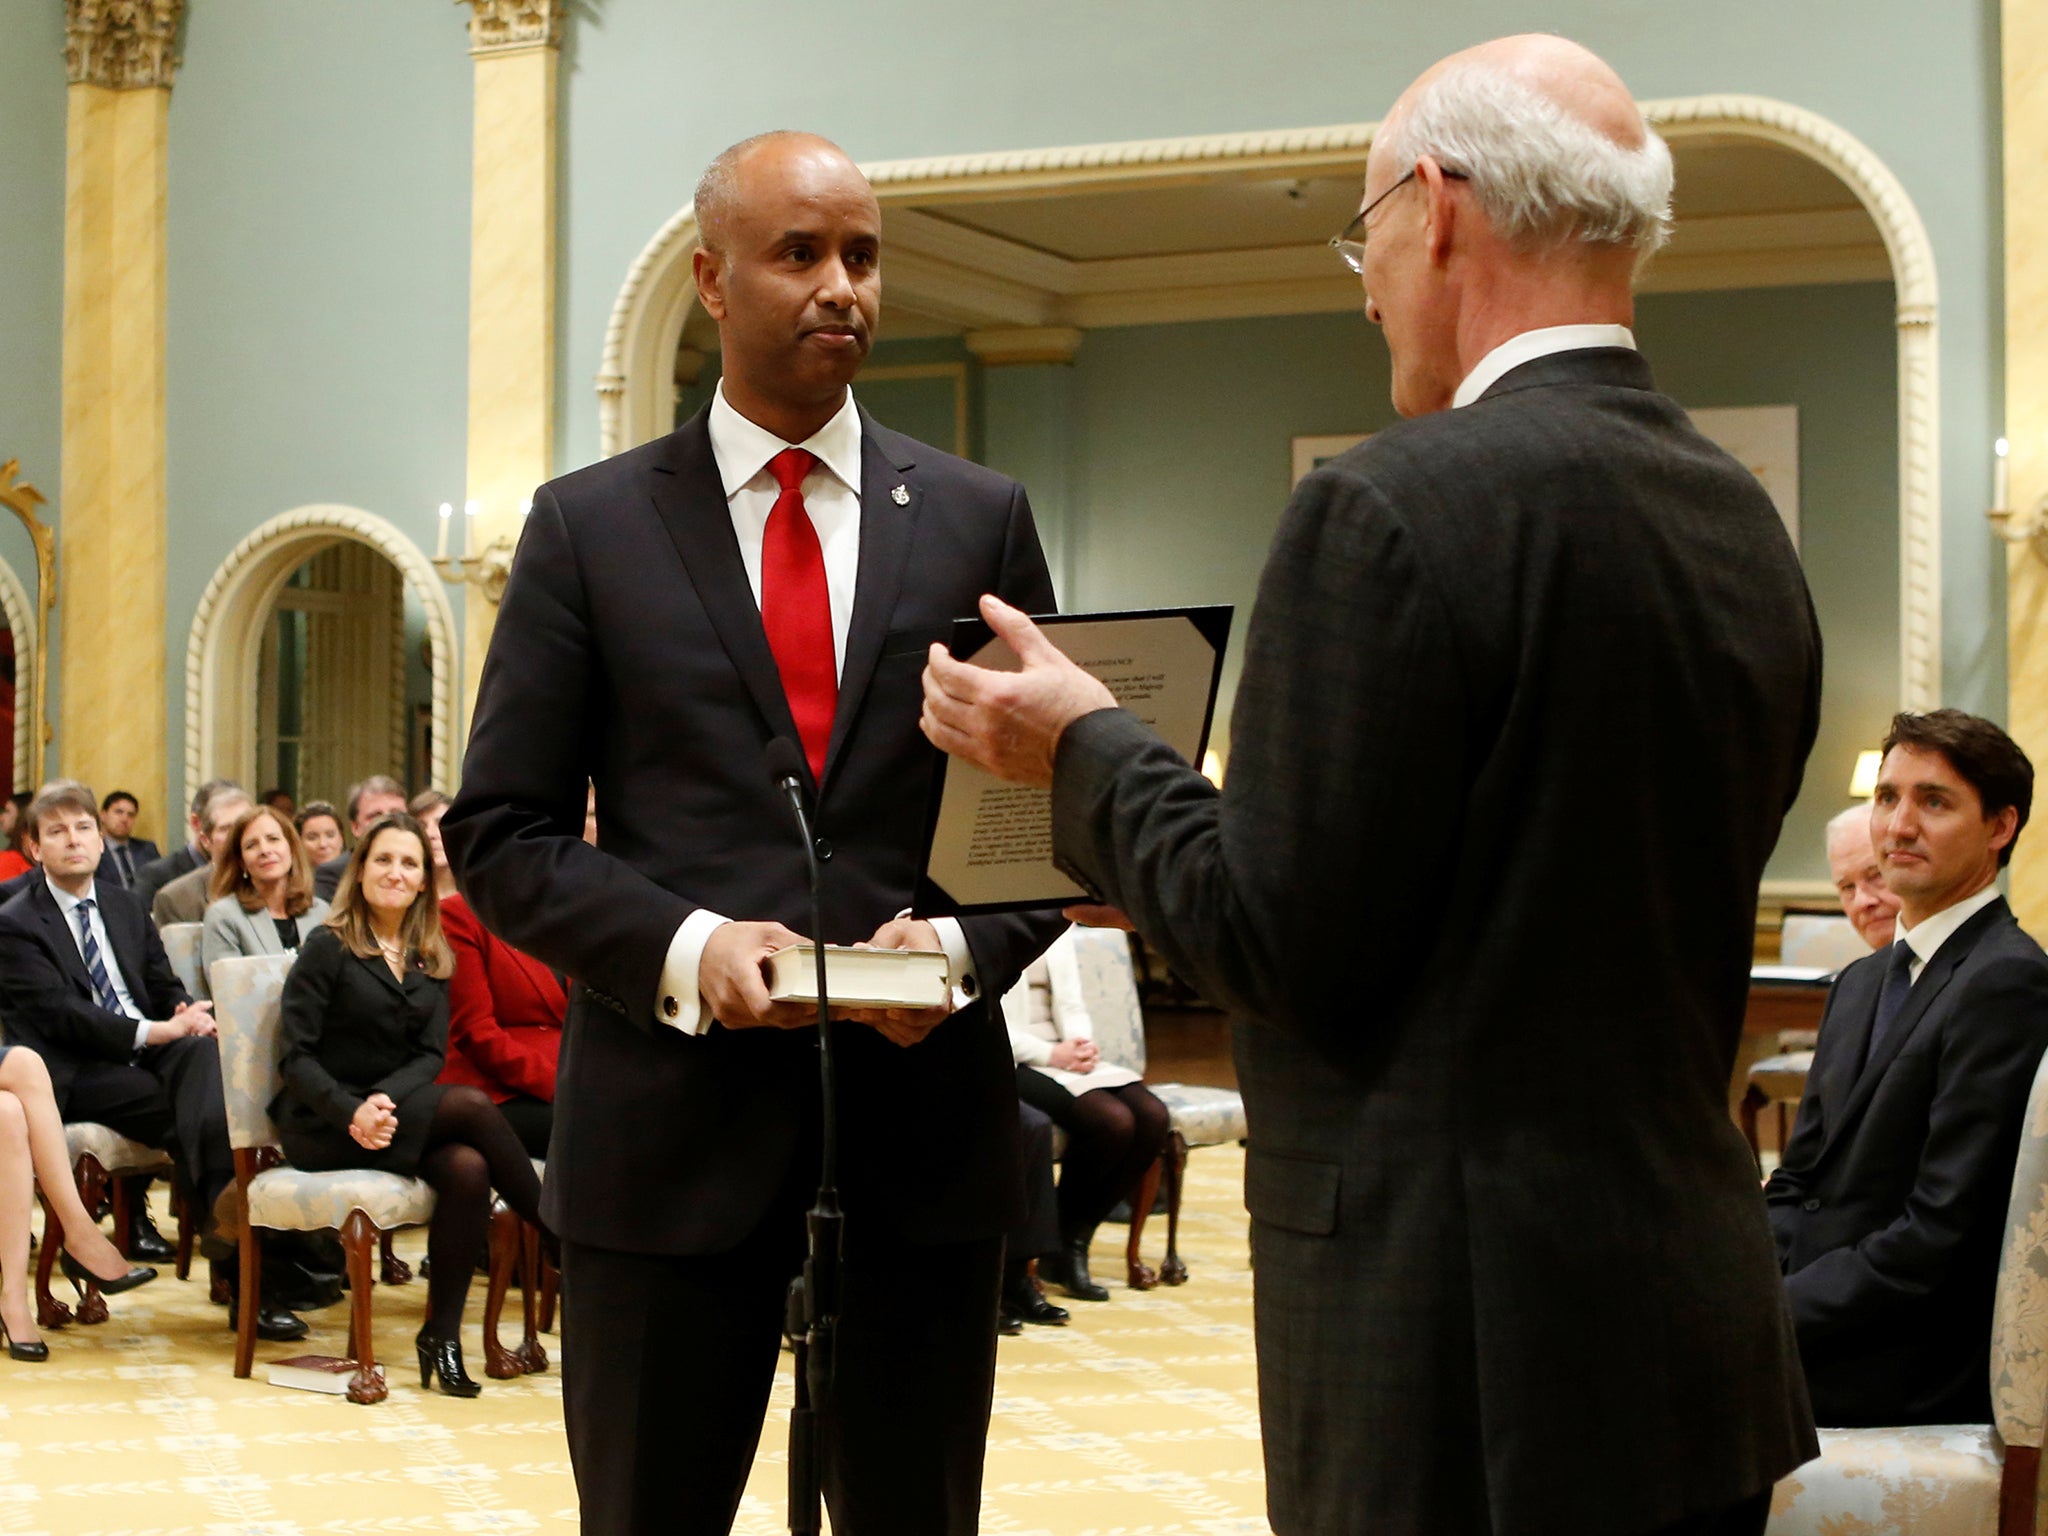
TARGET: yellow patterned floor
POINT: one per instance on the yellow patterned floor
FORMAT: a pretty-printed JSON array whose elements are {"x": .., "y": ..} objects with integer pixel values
[{"x": 1141, "y": 1419}]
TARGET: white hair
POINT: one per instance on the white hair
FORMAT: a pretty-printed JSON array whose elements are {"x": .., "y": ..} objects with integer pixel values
[
  {"x": 1843, "y": 821},
  {"x": 1543, "y": 176}
]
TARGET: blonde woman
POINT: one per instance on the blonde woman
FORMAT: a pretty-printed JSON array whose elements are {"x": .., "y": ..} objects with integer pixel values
[
  {"x": 365, "y": 1032},
  {"x": 263, "y": 901}
]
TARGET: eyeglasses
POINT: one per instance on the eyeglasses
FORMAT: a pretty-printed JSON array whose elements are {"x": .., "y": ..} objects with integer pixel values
[{"x": 1351, "y": 244}]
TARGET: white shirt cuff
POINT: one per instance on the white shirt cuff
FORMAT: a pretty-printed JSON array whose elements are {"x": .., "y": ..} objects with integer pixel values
[
  {"x": 677, "y": 1003},
  {"x": 141, "y": 1035},
  {"x": 959, "y": 960}
]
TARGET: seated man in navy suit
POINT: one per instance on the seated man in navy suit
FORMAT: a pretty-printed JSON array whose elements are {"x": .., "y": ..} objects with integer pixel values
[
  {"x": 126, "y": 855},
  {"x": 1889, "y": 1206}
]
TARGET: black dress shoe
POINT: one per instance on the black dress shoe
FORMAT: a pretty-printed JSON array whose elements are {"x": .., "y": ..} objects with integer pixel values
[
  {"x": 146, "y": 1243},
  {"x": 1068, "y": 1269},
  {"x": 1024, "y": 1301},
  {"x": 1008, "y": 1323},
  {"x": 442, "y": 1358},
  {"x": 34, "y": 1353},
  {"x": 80, "y": 1276},
  {"x": 275, "y": 1323}
]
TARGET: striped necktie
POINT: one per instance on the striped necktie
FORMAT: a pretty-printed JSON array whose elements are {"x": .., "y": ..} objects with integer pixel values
[{"x": 95, "y": 963}]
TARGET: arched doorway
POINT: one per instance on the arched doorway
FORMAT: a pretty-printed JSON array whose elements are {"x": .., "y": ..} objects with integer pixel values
[
  {"x": 17, "y": 668},
  {"x": 297, "y": 668},
  {"x": 952, "y": 261}
]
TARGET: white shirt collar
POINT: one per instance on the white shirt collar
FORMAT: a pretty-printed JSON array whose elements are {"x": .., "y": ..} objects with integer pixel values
[
  {"x": 1931, "y": 934},
  {"x": 66, "y": 902},
  {"x": 743, "y": 448},
  {"x": 1529, "y": 346}
]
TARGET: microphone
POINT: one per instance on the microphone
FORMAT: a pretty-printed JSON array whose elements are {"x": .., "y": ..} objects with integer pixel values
[{"x": 811, "y": 1310}]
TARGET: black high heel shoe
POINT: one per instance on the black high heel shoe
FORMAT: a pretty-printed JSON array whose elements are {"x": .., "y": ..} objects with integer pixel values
[
  {"x": 34, "y": 1353},
  {"x": 443, "y": 1358},
  {"x": 80, "y": 1276}
]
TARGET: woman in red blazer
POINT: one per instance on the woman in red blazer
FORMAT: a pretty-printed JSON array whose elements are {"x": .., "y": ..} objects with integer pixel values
[{"x": 505, "y": 1008}]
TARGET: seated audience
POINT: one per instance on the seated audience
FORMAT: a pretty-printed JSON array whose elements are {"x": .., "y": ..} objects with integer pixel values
[
  {"x": 1866, "y": 900},
  {"x": 158, "y": 873},
  {"x": 32, "y": 1148},
  {"x": 14, "y": 858},
  {"x": 126, "y": 854},
  {"x": 505, "y": 1008},
  {"x": 370, "y": 800},
  {"x": 1036, "y": 1235},
  {"x": 185, "y": 899},
  {"x": 1115, "y": 1127},
  {"x": 85, "y": 983},
  {"x": 319, "y": 827},
  {"x": 365, "y": 1031},
  {"x": 1889, "y": 1206},
  {"x": 263, "y": 901}
]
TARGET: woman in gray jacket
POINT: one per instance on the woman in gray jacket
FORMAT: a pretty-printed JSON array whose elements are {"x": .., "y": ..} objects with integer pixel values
[{"x": 263, "y": 901}]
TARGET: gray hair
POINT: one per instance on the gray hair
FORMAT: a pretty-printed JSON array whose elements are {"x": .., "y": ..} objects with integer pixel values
[
  {"x": 1543, "y": 176},
  {"x": 203, "y": 797},
  {"x": 1841, "y": 821}
]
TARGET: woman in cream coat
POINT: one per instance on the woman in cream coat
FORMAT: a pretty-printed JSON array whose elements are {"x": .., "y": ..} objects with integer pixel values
[
  {"x": 1115, "y": 1127},
  {"x": 263, "y": 901}
]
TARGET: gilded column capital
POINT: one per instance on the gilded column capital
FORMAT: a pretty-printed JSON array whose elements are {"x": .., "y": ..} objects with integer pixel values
[
  {"x": 122, "y": 44},
  {"x": 497, "y": 26}
]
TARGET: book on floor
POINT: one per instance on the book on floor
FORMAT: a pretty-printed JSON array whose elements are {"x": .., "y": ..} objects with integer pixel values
[
  {"x": 861, "y": 978},
  {"x": 312, "y": 1373}
]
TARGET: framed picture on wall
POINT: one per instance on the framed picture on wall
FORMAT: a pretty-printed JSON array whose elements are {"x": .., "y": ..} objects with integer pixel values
[
  {"x": 1312, "y": 451},
  {"x": 1765, "y": 438}
]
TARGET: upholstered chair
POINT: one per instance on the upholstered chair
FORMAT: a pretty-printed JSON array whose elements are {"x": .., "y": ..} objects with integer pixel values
[
  {"x": 1202, "y": 1117},
  {"x": 358, "y": 1203},
  {"x": 101, "y": 1161},
  {"x": 515, "y": 1244},
  {"x": 1828, "y": 941},
  {"x": 1774, "y": 1082},
  {"x": 181, "y": 946},
  {"x": 1954, "y": 1479}
]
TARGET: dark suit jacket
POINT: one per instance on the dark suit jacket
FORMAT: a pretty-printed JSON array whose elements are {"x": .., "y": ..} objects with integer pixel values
[
  {"x": 154, "y": 876},
  {"x": 141, "y": 854},
  {"x": 1527, "y": 691},
  {"x": 349, "y": 1028},
  {"x": 629, "y": 651},
  {"x": 46, "y": 995},
  {"x": 327, "y": 877},
  {"x": 1889, "y": 1205}
]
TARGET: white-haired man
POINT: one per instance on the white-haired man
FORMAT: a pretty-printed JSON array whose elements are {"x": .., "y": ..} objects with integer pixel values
[
  {"x": 1485, "y": 799},
  {"x": 1868, "y": 903}
]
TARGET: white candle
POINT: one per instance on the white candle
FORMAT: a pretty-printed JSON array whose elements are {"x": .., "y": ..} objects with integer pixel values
[
  {"x": 2001, "y": 477},
  {"x": 441, "y": 543},
  {"x": 469, "y": 512}
]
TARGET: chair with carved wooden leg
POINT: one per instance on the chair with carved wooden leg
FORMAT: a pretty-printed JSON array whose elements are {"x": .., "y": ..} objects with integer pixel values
[
  {"x": 356, "y": 1203},
  {"x": 101, "y": 1161},
  {"x": 514, "y": 1244}
]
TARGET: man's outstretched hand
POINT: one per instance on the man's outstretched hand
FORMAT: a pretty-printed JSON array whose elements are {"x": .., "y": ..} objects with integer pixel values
[{"x": 1008, "y": 722}]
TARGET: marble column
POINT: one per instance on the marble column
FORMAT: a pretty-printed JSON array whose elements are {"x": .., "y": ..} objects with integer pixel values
[
  {"x": 517, "y": 48},
  {"x": 2026, "y": 417},
  {"x": 110, "y": 576}
]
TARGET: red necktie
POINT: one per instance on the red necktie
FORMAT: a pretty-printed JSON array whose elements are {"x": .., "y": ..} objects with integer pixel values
[{"x": 796, "y": 608}]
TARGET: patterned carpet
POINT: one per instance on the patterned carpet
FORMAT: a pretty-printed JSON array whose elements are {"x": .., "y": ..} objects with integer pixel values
[{"x": 1141, "y": 1419}]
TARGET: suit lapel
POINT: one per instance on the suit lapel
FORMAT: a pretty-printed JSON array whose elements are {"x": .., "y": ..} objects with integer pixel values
[
  {"x": 690, "y": 499},
  {"x": 885, "y": 534},
  {"x": 60, "y": 939},
  {"x": 1934, "y": 979}
]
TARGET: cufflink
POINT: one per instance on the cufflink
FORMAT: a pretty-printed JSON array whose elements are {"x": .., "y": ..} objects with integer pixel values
[
  {"x": 671, "y": 1008},
  {"x": 969, "y": 986}
]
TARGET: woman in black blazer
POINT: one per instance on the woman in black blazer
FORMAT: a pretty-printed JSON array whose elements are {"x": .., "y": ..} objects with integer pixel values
[{"x": 365, "y": 1032}]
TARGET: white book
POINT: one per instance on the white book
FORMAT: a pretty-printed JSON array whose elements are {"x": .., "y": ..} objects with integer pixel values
[
  {"x": 312, "y": 1373},
  {"x": 861, "y": 978}
]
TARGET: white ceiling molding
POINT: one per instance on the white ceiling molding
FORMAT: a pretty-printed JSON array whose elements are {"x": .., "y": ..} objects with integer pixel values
[{"x": 978, "y": 281}]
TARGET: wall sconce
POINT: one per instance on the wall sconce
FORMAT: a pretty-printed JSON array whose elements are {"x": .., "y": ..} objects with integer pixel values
[
  {"x": 2030, "y": 529},
  {"x": 487, "y": 568},
  {"x": 1863, "y": 782}
]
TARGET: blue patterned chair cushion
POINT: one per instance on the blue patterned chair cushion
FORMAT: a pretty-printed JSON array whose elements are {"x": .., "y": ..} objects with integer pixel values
[
  {"x": 309, "y": 1202},
  {"x": 1205, "y": 1117},
  {"x": 1930, "y": 1480},
  {"x": 111, "y": 1150}
]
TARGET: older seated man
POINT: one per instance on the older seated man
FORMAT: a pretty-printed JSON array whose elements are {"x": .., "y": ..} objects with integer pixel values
[
  {"x": 1867, "y": 901},
  {"x": 1889, "y": 1206}
]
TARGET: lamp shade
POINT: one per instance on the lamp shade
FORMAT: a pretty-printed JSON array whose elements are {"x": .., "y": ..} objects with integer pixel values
[{"x": 1863, "y": 782}]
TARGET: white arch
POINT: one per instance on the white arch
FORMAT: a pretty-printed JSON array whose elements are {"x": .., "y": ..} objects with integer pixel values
[
  {"x": 636, "y": 398},
  {"x": 220, "y": 658},
  {"x": 21, "y": 620}
]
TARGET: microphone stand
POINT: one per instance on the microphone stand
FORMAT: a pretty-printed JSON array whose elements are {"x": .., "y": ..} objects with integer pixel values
[{"x": 811, "y": 1312}]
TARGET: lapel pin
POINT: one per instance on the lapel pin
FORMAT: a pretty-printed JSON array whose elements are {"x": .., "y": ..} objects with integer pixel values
[{"x": 901, "y": 495}]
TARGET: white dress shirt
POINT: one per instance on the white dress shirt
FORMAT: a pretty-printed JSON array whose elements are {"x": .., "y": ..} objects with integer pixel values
[
  {"x": 1935, "y": 931},
  {"x": 1529, "y": 346},
  {"x": 831, "y": 491},
  {"x": 68, "y": 905}
]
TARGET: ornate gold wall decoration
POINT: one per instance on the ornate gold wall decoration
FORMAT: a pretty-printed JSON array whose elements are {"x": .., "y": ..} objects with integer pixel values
[
  {"x": 124, "y": 45},
  {"x": 500, "y": 24},
  {"x": 22, "y": 499}
]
